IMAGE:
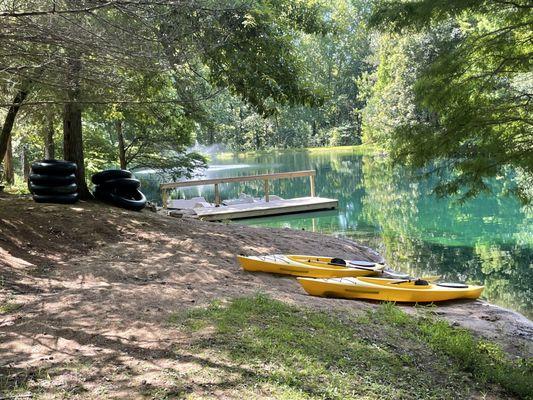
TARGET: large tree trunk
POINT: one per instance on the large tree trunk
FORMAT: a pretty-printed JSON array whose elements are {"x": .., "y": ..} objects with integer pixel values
[
  {"x": 121, "y": 145},
  {"x": 73, "y": 145},
  {"x": 72, "y": 132},
  {"x": 10, "y": 120},
  {"x": 49, "y": 146},
  {"x": 9, "y": 172}
]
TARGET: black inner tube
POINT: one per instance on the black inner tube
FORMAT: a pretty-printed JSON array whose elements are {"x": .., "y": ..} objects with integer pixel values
[{"x": 109, "y": 174}]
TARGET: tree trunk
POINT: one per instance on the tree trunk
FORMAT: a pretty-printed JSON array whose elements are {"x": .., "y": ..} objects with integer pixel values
[
  {"x": 73, "y": 145},
  {"x": 10, "y": 120},
  {"x": 72, "y": 131},
  {"x": 9, "y": 172},
  {"x": 49, "y": 146},
  {"x": 25, "y": 164},
  {"x": 121, "y": 146}
]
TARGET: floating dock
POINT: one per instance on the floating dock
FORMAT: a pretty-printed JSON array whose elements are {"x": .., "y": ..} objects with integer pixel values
[
  {"x": 278, "y": 207},
  {"x": 274, "y": 206}
]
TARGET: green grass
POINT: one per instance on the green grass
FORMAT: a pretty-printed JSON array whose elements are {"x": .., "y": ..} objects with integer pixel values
[
  {"x": 7, "y": 305},
  {"x": 483, "y": 359},
  {"x": 48, "y": 382},
  {"x": 18, "y": 187},
  {"x": 357, "y": 149},
  {"x": 276, "y": 350}
]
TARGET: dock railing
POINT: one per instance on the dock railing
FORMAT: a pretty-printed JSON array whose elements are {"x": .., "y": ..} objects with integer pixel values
[{"x": 266, "y": 178}]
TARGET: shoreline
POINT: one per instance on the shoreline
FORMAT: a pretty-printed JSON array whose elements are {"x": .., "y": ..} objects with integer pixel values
[
  {"x": 362, "y": 149},
  {"x": 104, "y": 291}
]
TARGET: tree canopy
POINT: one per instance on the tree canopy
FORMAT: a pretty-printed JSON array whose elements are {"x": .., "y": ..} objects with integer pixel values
[
  {"x": 475, "y": 93},
  {"x": 83, "y": 54},
  {"x": 441, "y": 86}
]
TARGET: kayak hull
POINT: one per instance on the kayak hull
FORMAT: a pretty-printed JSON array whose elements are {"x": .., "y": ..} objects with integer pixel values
[
  {"x": 286, "y": 265},
  {"x": 375, "y": 289}
]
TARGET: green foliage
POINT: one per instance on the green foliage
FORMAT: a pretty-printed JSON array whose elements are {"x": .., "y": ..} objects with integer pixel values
[
  {"x": 329, "y": 63},
  {"x": 444, "y": 86},
  {"x": 300, "y": 353},
  {"x": 257, "y": 61},
  {"x": 475, "y": 93},
  {"x": 157, "y": 67}
]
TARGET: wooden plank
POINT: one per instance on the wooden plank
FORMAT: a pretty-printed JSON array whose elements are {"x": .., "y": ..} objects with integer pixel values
[
  {"x": 279, "y": 175},
  {"x": 263, "y": 209},
  {"x": 312, "y": 183}
]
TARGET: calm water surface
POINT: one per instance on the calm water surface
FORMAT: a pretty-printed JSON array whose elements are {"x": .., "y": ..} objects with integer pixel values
[{"x": 487, "y": 240}]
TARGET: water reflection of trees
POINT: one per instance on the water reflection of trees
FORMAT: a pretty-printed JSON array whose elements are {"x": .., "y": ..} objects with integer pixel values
[
  {"x": 475, "y": 241},
  {"x": 489, "y": 239}
]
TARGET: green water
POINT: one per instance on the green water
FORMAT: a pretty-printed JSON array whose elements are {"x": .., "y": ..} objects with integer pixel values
[{"x": 487, "y": 240}]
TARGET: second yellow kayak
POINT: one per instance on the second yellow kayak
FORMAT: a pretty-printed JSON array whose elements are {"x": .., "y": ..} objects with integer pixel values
[
  {"x": 413, "y": 291},
  {"x": 309, "y": 266}
]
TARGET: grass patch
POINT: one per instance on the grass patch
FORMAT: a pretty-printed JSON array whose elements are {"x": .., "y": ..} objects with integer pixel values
[
  {"x": 8, "y": 307},
  {"x": 64, "y": 381},
  {"x": 484, "y": 359},
  {"x": 284, "y": 351},
  {"x": 362, "y": 149},
  {"x": 18, "y": 187}
]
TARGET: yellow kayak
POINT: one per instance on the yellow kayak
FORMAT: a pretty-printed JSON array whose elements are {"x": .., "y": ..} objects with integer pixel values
[
  {"x": 316, "y": 267},
  {"x": 382, "y": 271},
  {"x": 413, "y": 291}
]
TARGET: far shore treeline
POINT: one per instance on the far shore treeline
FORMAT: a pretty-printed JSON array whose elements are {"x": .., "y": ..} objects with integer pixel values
[{"x": 442, "y": 86}]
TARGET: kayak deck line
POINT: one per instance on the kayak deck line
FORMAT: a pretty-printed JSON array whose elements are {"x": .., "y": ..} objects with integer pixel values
[
  {"x": 361, "y": 290},
  {"x": 301, "y": 271}
]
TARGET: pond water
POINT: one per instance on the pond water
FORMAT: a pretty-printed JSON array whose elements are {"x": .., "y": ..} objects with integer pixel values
[{"x": 486, "y": 240}]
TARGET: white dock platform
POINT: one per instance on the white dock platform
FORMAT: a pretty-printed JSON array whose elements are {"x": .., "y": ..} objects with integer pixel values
[
  {"x": 272, "y": 205},
  {"x": 248, "y": 210}
]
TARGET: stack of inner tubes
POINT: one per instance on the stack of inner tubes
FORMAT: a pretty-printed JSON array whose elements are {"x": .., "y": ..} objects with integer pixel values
[
  {"x": 118, "y": 187},
  {"x": 53, "y": 181}
]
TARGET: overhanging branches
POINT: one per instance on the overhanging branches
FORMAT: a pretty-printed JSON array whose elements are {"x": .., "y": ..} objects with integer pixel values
[{"x": 113, "y": 101}]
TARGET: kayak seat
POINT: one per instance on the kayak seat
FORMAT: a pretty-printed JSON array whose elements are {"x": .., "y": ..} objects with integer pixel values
[
  {"x": 453, "y": 285},
  {"x": 337, "y": 261},
  {"x": 421, "y": 282},
  {"x": 360, "y": 263}
]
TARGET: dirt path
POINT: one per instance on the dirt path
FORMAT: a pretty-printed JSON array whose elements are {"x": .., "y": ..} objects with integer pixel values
[{"x": 95, "y": 287}]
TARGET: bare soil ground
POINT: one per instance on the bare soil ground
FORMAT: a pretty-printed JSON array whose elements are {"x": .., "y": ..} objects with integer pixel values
[{"x": 88, "y": 289}]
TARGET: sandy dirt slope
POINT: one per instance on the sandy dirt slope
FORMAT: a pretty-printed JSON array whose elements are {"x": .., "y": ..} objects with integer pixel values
[{"x": 97, "y": 285}]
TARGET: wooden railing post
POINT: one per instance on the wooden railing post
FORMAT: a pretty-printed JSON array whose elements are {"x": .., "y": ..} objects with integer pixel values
[
  {"x": 217, "y": 195},
  {"x": 312, "y": 182},
  {"x": 165, "y": 199},
  {"x": 267, "y": 190}
]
